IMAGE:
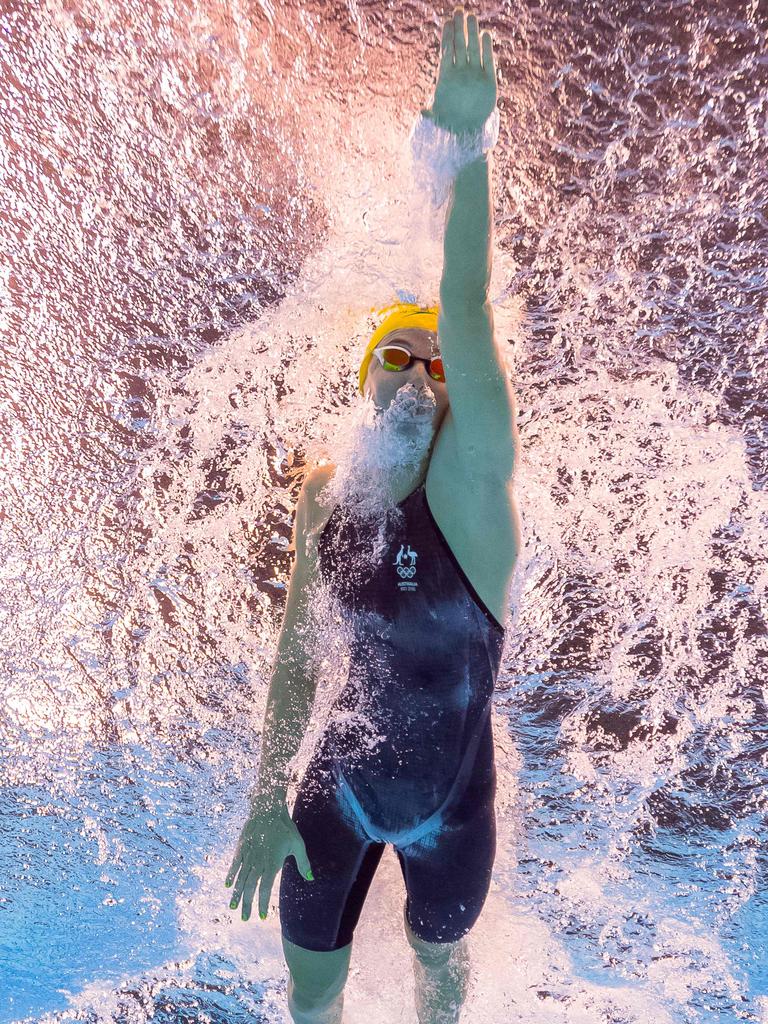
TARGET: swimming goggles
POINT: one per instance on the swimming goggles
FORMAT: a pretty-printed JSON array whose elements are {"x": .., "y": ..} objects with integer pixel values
[{"x": 395, "y": 358}]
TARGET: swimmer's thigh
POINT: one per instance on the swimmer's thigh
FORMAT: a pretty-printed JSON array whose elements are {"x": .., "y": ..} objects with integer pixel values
[
  {"x": 321, "y": 915},
  {"x": 448, "y": 873}
]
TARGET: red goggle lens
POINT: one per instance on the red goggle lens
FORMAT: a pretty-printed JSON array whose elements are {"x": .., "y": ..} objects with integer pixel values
[{"x": 399, "y": 359}]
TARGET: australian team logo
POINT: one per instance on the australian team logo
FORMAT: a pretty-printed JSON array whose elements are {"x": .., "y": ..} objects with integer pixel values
[{"x": 406, "y": 567}]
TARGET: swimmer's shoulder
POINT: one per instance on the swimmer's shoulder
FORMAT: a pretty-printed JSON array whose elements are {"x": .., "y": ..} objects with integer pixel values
[{"x": 314, "y": 482}]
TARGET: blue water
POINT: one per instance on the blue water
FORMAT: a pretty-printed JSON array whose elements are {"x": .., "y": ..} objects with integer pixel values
[{"x": 201, "y": 204}]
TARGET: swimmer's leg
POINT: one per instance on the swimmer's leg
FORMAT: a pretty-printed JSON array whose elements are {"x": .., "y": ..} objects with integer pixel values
[
  {"x": 441, "y": 974},
  {"x": 447, "y": 878},
  {"x": 316, "y": 983},
  {"x": 318, "y": 916}
]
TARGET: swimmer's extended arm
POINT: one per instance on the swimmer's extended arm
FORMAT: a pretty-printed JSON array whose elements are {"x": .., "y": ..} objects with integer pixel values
[
  {"x": 294, "y": 684},
  {"x": 289, "y": 707},
  {"x": 481, "y": 401},
  {"x": 270, "y": 834}
]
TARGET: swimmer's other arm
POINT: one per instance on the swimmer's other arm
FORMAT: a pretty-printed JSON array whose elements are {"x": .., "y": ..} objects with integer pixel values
[{"x": 294, "y": 682}]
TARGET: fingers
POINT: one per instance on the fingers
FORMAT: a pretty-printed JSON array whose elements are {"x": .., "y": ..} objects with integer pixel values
[
  {"x": 488, "y": 64},
  {"x": 265, "y": 890},
  {"x": 454, "y": 44},
  {"x": 237, "y": 861},
  {"x": 459, "y": 42},
  {"x": 248, "y": 871},
  {"x": 238, "y": 890},
  {"x": 473, "y": 44},
  {"x": 250, "y": 888},
  {"x": 302, "y": 861},
  {"x": 455, "y": 47},
  {"x": 446, "y": 46},
  {"x": 236, "y": 893}
]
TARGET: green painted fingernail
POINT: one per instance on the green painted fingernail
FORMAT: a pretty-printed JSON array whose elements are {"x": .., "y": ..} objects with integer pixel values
[
  {"x": 233, "y": 904},
  {"x": 262, "y": 916},
  {"x": 310, "y": 876}
]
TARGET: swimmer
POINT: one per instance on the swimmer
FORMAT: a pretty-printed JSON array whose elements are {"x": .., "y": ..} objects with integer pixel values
[{"x": 407, "y": 755}]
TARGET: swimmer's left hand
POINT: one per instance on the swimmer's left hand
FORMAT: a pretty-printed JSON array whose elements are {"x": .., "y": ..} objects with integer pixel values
[{"x": 466, "y": 89}]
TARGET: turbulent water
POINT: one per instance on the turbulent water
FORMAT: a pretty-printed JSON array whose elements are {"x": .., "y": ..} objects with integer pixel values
[{"x": 202, "y": 204}]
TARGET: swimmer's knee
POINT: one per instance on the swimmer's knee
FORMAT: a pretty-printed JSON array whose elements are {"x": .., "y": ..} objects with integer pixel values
[
  {"x": 316, "y": 977},
  {"x": 433, "y": 953}
]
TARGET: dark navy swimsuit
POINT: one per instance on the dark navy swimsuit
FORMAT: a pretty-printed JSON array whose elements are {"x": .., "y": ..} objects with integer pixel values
[{"x": 407, "y": 756}]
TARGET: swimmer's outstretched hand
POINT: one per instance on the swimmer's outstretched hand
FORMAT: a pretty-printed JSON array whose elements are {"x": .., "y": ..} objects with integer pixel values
[
  {"x": 466, "y": 89},
  {"x": 268, "y": 837}
]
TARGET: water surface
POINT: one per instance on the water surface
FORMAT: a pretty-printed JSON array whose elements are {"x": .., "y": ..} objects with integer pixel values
[{"x": 202, "y": 201}]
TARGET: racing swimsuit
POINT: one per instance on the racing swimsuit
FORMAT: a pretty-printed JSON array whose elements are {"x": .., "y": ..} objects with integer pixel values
[{"x": 407, "y": 757}]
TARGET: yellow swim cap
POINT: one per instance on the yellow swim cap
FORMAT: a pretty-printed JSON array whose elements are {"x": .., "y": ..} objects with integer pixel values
[{"x": 404, "y": 314}]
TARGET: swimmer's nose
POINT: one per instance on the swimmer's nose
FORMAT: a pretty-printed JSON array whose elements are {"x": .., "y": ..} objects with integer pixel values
[{"x": 422, "y": 371}]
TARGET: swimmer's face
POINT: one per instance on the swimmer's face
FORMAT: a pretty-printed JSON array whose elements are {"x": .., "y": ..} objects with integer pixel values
[{"x": 383, "y": 384}]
